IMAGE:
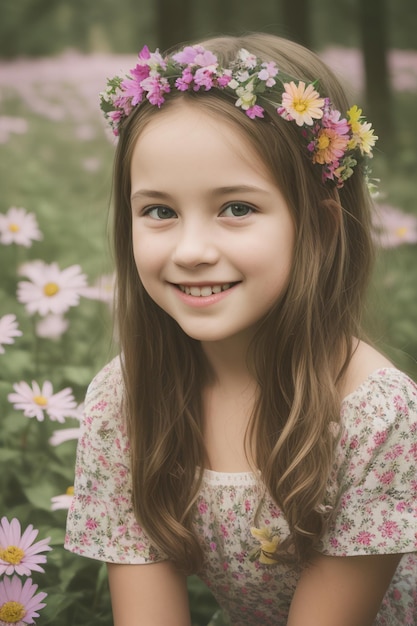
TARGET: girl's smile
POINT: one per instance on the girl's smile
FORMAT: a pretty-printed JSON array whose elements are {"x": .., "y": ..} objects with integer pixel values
[{"x": 212, "y": 234}]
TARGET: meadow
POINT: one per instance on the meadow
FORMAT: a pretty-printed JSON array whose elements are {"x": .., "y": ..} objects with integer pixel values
[{"x": 56, "y": 167}]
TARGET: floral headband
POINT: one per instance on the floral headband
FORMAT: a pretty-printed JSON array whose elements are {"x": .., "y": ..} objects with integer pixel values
[{"x": 332, "y": 141}]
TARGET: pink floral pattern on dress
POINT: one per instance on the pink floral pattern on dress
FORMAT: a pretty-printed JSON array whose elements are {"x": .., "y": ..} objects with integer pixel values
[{"x": 372, "y": 497}]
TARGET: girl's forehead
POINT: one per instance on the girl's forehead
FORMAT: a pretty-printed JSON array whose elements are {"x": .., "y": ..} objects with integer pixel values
[{"x": 188, "y": 134}]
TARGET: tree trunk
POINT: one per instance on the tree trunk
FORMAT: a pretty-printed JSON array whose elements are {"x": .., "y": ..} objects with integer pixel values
[
  {"x": 373, "y": 24},
  {"x": 296, "y": 21},
  {"x": 173, "y": 22}
]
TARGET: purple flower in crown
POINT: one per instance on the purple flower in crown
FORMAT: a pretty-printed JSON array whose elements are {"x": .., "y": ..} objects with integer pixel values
[
  {"x": 224, "y": 79},
  {"x": 133, "y": 90},
  {"x": 195, "y": 55},
  {"x": 124, "y": 104},
  {"x": 255, "y": 111},
  {"x": 184, "y": 81},
  {"x": 331, "y": 119},
  {"x": 156, "y": 86},
  {"x": 204, "y": 78},
  {"x": 267, "y": 73},
  {"x": 152, "y": 60}
]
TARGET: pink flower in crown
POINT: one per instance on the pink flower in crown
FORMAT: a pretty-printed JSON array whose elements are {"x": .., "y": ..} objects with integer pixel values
[
  {"x": 133, "y": 90},
  {"x": 204, "y": 78},
  {"x": 156, "y": 87},
  {"x": 115, "y": 116},
  {"x": 183, "y": 83},
  {"x": 331, "y": 119},
  {"x": 224, "y": 79},
  {"x": 205, "y": 58},
  {"x": 196, "y": 55},
  {"x": 255, "y": 111},
  {"x": 267, "y": 73},
  {"x": 150, "y": 60},
  {"x": 124, "y": 103}
]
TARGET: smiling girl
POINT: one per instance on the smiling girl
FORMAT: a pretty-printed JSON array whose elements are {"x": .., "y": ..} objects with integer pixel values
[{"x": 246, "y": 433}]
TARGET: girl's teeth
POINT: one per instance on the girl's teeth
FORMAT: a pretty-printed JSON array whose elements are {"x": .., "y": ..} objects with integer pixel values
[{"x": 204, "y": 291}]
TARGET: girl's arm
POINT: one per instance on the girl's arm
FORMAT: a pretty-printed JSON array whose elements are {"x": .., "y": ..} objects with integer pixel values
[
  {"x": 149, "y": 595},
  {"x": 342, "y": 591}
]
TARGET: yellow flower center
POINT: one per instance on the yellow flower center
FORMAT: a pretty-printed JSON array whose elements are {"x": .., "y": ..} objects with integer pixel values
[
  {"x": 50, "y": 289},
  {"x": 12, "y": 554},
  {"x": 14, "y": 228},
  {"x": 40, "y": 400},
  {"x": 401, "y": 231},
  {"x": 12, "y": 612},
  {"x": 323, "y": 142},
  {"x": 70, "y": 491},
  {"x": 300, "y": 106}
]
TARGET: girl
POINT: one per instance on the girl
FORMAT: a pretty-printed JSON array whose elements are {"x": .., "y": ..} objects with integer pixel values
[{"x": 246, "y": 433}]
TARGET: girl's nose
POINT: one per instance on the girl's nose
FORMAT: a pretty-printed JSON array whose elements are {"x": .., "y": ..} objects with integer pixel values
[{"x": 195, "y": 246}]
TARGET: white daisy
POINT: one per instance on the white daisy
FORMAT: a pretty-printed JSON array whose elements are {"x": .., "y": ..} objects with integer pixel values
[
  {"x": 20, "y": 227},
  {"x": 50, "y": 290},
  {"x": 8, "y": 330}
]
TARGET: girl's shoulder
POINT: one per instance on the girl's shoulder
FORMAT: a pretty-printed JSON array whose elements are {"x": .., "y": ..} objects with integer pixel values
[
  {"x": 107, "y": 380},
  {"x": 379, "y": 408},
  {"x": 103, "y": 415},
  {"x": 364, "y": 363},
  {"x": 376, "y": 390}
]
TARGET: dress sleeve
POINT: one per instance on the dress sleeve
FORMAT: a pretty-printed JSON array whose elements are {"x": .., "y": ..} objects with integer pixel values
[
  {"x": 101, "y": 523},
  {"x": 375, "y": 504}
]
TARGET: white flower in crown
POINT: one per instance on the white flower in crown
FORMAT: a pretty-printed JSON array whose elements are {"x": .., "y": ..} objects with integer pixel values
[
  {"x": 246, "y": 98},
  {"x": 249, "y": 60}
]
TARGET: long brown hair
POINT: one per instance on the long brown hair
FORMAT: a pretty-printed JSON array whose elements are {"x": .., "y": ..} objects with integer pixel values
[{"x": 301, "y": 348}]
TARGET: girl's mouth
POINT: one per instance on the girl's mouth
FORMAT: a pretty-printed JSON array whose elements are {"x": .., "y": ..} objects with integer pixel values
[{"x": 205, "y": 290}]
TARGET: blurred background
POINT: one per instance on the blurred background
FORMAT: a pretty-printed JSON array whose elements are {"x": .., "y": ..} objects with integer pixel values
[{"x": 55, "y": 180}]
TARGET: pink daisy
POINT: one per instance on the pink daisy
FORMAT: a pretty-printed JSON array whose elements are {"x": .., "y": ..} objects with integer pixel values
[
  {"x": 8, "y": 330},
  {"x": 50, "y": 290},
  {"x": 18, "y": 553},
  {"x": 20, "y": 227},
  {"x": 35, "y": 401},
  {"x": 19, "y": 604}
]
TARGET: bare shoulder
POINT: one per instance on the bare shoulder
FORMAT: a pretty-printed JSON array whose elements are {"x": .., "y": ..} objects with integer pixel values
[{"x": 365, "y": 360}]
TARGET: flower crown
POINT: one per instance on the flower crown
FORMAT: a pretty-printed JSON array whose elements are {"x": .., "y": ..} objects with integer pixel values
[{"x": 332, "y": 141}]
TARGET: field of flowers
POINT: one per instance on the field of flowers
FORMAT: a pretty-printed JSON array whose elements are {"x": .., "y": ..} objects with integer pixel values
[{"x": 56, "y": 294}]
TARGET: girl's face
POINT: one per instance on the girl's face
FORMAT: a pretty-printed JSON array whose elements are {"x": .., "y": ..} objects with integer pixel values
[{"x": 213, "y": 238}]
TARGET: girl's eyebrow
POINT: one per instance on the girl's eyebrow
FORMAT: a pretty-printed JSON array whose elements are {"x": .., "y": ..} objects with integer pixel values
[
  {"x": 150, "y": 193},
  {"x": 219, "y": 191}
]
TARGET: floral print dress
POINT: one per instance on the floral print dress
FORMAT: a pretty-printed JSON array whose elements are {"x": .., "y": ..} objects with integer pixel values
[{"x": 371, "y": 498}]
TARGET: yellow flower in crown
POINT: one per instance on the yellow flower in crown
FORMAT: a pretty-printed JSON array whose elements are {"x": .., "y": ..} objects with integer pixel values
[
  {"x": 363, "y": 136},
  {"x": 268, "y": 545}
]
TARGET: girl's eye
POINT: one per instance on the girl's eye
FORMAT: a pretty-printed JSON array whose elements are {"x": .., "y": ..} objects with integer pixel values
[
  {"x": 160, "y": 213},
  {"x": 237, "y": 209}
]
